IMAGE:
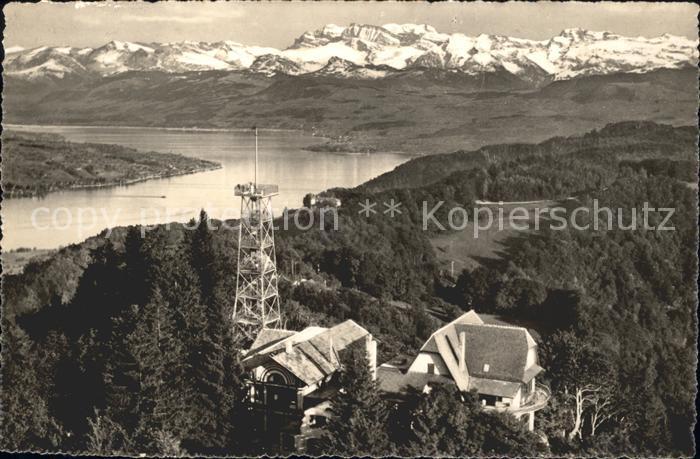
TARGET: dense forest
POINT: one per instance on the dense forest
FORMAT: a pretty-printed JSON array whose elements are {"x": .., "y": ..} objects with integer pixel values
[{"x": 125, "y": 344}]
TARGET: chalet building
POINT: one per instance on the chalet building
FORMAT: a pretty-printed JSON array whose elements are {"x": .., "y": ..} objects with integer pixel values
[
  {"x": 321, "y": 200},
  {"x": 498, "y": 362},
  {"x": 292, "y": 375}
]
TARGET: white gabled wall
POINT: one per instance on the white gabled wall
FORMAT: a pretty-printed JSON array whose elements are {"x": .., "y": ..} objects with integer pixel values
[
  {"x": 515, "y": 402},
  {"x": 531, "y": 357},
  {"x": 420, "y": 364}
]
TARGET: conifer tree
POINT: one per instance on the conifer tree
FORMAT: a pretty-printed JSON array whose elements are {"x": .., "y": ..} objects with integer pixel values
[
  {"x": 208, "y": 328},
  {"x": 121, "y": 372},
  {"x": 24, "y": 419},
  {"x": 145, "y": 343},
  {"x": 359, "y": 423},
  {"x": 446, "y": 422},
  {"x": 135, "y": 267},
  {"x": 167, "y": 272}
]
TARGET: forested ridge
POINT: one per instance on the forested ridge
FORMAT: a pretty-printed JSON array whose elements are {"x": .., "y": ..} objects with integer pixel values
[
  {"x": 629, "y": 140},
  {"x": 125, "y": 344},
  {"x": 35, "y": 164}
]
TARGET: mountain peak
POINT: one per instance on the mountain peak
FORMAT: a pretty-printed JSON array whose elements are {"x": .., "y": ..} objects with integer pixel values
[
  {"x": 273, "y": 64},
  {"x": 415, "y": 29},
  {"x": 368, "y": 51},
  {"x": 372, "y": 34},
  {"x": 579, "y": 34},
  {"x": 332, "y": 30},
  {"x": 343, "y": 68}
]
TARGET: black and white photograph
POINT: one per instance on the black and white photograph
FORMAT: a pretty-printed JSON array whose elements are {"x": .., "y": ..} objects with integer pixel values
[{"x": 374, "y": 229}]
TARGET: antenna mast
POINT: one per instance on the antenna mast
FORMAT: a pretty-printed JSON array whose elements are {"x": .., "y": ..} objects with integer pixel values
[{"x": 257, "y": 300}]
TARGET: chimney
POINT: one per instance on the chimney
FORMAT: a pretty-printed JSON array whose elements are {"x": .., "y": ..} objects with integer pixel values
[
  {"x": 463, "y": 352},
  {"x": 371, "y": 355},
  {"x": 330, "y": 347},
  {"x": 288, "y": 347}
]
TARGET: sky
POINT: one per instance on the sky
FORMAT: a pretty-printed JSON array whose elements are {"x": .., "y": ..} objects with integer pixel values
[{"x": 277, "y": 24}]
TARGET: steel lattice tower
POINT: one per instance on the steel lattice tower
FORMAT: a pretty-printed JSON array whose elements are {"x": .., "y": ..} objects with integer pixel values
[{"x": 257, "y": 301}]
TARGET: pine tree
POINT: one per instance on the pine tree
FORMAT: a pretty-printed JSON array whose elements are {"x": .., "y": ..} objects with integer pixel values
[
  {"x": 80, "y": 371},
  {"x": 107, "y": 437},
  {"x": 360, "y": 416},
  {"x": 145, "y": 344},
  {"x": 135, "y": 267},
  {"x": 167, "y": 273},
  {"x": 25, "y": 419},
  {"x": 506, "y": 436},
  {"x": 446, "y": 422},
  {"x": 121, "y": 372},
  {"x": 208, "y": 327},
  {"x": 203, "y": 258},
  {"x": 234, "y": 409}
]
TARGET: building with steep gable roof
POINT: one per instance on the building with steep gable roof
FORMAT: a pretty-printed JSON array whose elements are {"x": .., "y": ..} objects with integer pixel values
[
  {"x": 498, "y": 362},
  {"x": 291, "y": 375},
  {"x": 285, "y": 366}
]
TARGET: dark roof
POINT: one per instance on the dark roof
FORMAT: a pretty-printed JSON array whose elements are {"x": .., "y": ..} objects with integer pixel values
[
  {"x": 470, "y": 317},
  {"x": 393, "y": 380},
  {"x": 495, "y": 354},
  {"x": 496, "y": 319},
  {"x": 503, "y": 349},
  {"x": 494, "y": 387}
]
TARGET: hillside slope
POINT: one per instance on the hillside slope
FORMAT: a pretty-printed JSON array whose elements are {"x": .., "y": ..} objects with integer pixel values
[
  {"x": 420, "y": 112},
  {"x": 35, "y": 164},
  {"x": 630, "y": 140},
  {"x": 627, "y": 297}
]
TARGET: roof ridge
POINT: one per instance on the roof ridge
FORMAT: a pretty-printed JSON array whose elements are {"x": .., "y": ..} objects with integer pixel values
[
  {"x": 452, "y": 322},
  {"x": 514, "y": 327},
  {"x": 344, "y": 322},
  {"x": 270, "y": 348},
  {"x": 320, "y": 351}
]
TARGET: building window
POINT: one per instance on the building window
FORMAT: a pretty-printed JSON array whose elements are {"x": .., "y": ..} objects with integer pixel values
[
  {"x": 275, "y": 377},
  {"x": 431, "y": 368}
]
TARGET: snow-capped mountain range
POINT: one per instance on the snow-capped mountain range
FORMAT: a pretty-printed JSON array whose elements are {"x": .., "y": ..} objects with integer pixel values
[{"x": 367, "y": 52}]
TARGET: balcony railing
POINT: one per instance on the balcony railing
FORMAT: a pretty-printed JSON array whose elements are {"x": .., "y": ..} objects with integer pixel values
[
  {"x": 251, "y": 189},
  {"x": 535, "y": 400}
]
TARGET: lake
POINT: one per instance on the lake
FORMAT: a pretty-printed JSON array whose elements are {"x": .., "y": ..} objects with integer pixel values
[{"x": 67, "y": 217}]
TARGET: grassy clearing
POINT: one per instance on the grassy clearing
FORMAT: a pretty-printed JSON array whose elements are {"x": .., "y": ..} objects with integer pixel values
[{"x": 468, "y": 251}]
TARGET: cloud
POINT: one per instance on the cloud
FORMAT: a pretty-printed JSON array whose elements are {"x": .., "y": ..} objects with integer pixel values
[{"x": 13, "y": 49}]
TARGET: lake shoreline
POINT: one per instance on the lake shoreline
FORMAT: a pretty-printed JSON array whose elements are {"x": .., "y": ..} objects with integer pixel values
[
  {"x": 283, "y": 161},
  {"x": 21, "y": 194},
  {"x": 9, "y": 126},
  {"x": 328, "y": 147},
  {"x": 37, "y": 163}
]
